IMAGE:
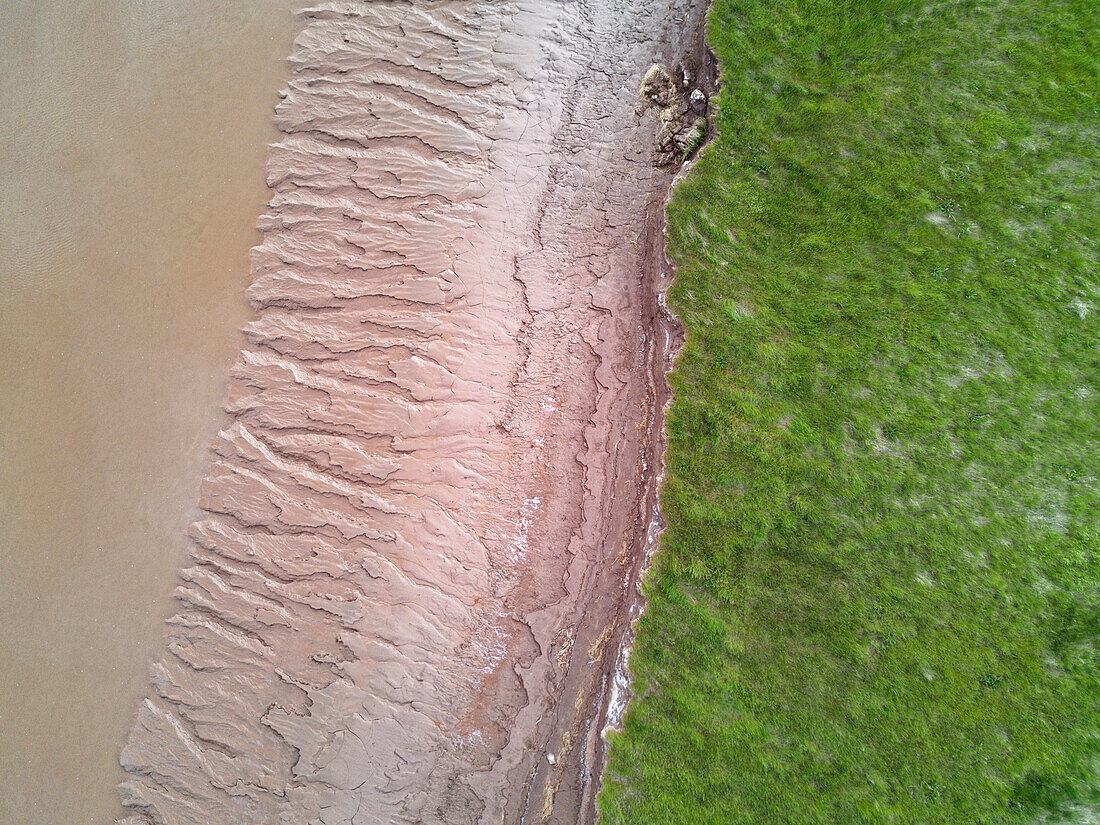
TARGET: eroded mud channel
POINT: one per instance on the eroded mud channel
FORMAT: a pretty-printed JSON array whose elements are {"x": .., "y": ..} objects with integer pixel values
[{"x": 420, "y": 533}]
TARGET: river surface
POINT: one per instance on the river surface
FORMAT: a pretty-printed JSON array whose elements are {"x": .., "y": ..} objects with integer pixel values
[{"x": 132, "y": 148}]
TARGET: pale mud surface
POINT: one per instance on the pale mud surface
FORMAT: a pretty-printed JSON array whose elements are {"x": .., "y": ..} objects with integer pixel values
[{"x": 415, "y": 565}]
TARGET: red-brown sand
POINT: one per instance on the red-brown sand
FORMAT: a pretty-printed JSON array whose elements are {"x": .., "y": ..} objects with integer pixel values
[{"x": 421, "y": 533}]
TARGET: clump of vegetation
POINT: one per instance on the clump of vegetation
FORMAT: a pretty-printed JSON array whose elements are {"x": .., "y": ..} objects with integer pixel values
[
  {"x": 878, "y": 598},
  {"x": 681, "y": 126}
]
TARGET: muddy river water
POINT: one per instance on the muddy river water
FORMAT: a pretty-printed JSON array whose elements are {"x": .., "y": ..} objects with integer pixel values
[{"x": 132, "y": 145}]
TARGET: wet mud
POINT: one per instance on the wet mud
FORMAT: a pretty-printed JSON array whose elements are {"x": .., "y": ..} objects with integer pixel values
[{"x": 422, "y": 531}]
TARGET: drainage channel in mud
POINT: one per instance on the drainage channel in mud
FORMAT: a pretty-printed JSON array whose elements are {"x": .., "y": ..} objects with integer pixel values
[{"x": 422, "y": 530}]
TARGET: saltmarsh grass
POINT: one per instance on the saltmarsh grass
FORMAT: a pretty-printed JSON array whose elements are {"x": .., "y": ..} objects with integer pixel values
[{"x": 878, "y": 598}]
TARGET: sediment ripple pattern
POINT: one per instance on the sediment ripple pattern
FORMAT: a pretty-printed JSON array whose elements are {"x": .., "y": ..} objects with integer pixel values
[{"x": 407, "y": 581}]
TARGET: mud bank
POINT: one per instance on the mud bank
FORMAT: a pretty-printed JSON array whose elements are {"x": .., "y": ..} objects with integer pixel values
[{"x": 422, "y": 530}]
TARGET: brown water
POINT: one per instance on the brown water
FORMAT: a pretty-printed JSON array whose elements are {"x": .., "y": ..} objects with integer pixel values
[{"x": 132, "y": 146}]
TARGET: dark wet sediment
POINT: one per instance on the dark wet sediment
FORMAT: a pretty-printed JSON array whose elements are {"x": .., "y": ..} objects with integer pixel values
[{"x": 407, "y": 592}]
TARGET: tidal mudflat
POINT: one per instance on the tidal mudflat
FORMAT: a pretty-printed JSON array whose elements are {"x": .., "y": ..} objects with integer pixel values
[{"x": 415, "y": 562}]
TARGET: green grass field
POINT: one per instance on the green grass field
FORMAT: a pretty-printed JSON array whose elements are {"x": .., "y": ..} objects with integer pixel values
[{"x": 878, "y": 598}]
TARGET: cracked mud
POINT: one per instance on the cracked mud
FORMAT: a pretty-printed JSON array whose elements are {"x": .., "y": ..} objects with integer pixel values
[{"x": 421, "y": 532}]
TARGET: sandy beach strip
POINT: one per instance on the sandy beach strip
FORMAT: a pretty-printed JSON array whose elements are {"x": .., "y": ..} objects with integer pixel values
[{"x": 416, "y": 563}]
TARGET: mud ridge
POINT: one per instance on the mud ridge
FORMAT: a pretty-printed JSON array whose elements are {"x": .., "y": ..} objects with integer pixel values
[{"x": 422, "y": 531}]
